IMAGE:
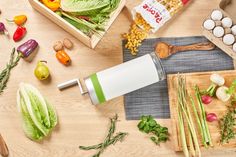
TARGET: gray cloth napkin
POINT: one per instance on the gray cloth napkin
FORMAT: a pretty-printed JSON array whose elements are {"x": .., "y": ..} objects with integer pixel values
[{"x": 153, "y": 100}]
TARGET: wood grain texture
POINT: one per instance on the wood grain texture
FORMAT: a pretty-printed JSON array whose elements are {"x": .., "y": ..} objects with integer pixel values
[
  {"x": 218, "y": 107},
  {"x": 81, "y": 123}
]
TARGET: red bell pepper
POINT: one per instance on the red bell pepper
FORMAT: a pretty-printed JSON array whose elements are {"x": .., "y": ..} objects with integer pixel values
[{"x": 19, "y": 33}]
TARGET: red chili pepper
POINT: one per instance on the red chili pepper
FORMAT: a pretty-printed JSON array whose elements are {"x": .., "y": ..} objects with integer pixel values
[
  {"x": 19, "y": 33},
  {"x": 84, "y": 17}
]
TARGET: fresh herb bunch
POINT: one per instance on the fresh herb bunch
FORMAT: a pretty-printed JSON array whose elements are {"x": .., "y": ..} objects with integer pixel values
[
  {"x": 228, "y": 123},
  {"x": 109, "y": 140},
  {"x": 5, "y": 73},
  {"x": 150, "y": 126}
]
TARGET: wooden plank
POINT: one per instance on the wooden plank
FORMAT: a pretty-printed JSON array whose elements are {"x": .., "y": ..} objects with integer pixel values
[{"x": 202, "y": 80}]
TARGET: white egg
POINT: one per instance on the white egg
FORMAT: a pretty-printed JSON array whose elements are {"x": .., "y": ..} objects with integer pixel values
[
  {"x": 216, "y": 15},
  {"x": 227, "y": 22},
  {"x": 209, "y": 24},
  {"x": 234, "y": 47},
  {"x": 228, "y": 39},
  {"x": 234, "y": 30},
  {"x": 218, "y": 31}
]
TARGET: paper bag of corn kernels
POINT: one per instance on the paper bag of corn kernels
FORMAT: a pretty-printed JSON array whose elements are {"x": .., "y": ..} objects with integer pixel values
[
  {"x": 157, "y": 12},
  {"x": 149, "y": 16}
]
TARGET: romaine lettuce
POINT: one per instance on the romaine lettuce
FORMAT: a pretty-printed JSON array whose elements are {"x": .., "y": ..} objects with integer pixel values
[{"x": 39, "y": 117}]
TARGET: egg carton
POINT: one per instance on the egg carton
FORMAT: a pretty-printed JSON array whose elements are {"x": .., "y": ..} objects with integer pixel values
[{"x": 220, "y": 27}]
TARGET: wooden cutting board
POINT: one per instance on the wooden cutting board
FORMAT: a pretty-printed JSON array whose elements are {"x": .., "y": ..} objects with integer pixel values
[{"x": 202, "y": 79}]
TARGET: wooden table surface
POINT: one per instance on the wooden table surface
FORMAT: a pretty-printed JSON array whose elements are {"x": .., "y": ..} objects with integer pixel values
[{"x": 81, "y": 123}]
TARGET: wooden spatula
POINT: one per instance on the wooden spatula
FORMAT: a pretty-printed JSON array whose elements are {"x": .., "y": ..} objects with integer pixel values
[
  {"x": 164, "y": 50},
  {"x": 3, "y": 147}
]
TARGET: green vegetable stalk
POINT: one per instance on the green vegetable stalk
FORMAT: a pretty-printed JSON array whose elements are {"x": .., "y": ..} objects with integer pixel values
[
  {"x": 184, "y": 115},
  {"x": 39, "y": 117},
  {"x": 206, "y": 133},
  {"x": 182, "y": 133},
  {"x": 211, "y": 90}
]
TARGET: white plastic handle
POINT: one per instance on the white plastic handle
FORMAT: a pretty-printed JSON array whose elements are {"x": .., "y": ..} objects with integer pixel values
[
  {"x": 71, "y": 83},
  {"x": 67, "y": 84}
]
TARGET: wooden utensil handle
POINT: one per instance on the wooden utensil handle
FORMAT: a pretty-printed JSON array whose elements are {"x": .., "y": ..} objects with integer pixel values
[
  {"x": 198, "y": 46},
  {"x": 3, "y": 147}
]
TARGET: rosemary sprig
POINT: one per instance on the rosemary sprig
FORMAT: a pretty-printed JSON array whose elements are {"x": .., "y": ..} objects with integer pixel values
[
  {"x": 109, "y": 140},
  {"x": 5, "y": 73},
  {"x": 119, "y": 137}
]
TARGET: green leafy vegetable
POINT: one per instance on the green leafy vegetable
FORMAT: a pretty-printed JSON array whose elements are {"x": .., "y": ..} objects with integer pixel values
[
  {"x": 84, "y": 7},
  {"x": 83, "y": 28},
  {"x": 149, "y": 125},
  {"x": 83, "y": 24},
  {"x": 231, "y": 88},
  {"x": 88, "y": 15},
  {"x": 89, "y": 7},
  {"x": 39, "y": 117}
]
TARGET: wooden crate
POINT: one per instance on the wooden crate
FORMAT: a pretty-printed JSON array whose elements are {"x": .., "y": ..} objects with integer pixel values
[
  {"x": 227, "y": 7},
  {"x": 89, "y": 41},
  {"x": 202, "y": 79}
]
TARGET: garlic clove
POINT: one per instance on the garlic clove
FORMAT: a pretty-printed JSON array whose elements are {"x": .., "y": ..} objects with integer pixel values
[
  {"x": 218, "y": 31},
  {"x": 229, "y": 39},
  {"x": 209, "y": 24},
  {"x": 216, "y": 15},
  {"x": 227, "y": 22}
]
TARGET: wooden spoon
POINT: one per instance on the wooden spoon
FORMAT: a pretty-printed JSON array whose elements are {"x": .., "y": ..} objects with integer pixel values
[
  {"x": 3, "y": 147},
  {"x": 164, "y": 50}
]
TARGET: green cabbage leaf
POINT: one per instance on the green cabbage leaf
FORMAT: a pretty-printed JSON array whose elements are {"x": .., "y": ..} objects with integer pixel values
[
  {"x": 97, "y": 10},
  {"x": 84, "y": 7}
]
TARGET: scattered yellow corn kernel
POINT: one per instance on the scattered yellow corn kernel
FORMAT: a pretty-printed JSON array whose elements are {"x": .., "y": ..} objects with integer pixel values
[{"x": 136, "y": 34}]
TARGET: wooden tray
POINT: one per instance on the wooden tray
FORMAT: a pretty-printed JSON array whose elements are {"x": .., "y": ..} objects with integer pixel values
[
  {"x": 202, "y": 79},
  {"x": 90, "y": 42}
]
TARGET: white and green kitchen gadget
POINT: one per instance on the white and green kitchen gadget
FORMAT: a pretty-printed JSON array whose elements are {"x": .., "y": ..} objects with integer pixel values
[{"x": 121, "y": 79}]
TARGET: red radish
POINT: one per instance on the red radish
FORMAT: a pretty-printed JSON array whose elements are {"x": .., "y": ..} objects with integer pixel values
[
  {"x": 210, "y": 117},
  {"x": 206, "y": 99}
]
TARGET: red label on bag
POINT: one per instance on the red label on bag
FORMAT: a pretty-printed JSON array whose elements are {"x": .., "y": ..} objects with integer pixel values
[
  {"x": 185, "y": 1},
  {"x": 154, "y": 13}
]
